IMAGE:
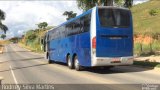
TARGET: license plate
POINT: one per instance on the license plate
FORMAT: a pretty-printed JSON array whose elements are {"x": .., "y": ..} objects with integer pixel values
[{"x": 116, "y": 60}]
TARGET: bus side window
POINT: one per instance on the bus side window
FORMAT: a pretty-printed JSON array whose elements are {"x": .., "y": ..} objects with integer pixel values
[
  {"x": 82, "y": 24},
  {"x": 85, "y": 23},
  {"x": 64, "y": 31},
  {"x": 77, "y": 26},
  {"x": 69, "y": 28}
]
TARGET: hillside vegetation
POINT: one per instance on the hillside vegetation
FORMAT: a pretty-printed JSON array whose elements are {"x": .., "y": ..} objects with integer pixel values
[
  {"x": 143, "y": 21},
  {"x": 146, "y": 18},
  {"x": 32, "y": 39}
]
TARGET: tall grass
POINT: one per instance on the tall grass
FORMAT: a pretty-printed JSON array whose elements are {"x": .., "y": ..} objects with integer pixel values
[
  {"x": 33, "y": 45},
  {"x": 144, "y": 49}
]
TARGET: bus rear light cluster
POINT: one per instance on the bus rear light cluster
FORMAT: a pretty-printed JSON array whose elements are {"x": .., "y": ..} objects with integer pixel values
[{"x": 94, "y": 43}]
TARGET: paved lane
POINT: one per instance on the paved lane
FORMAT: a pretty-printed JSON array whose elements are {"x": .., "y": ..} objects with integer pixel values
[{"x": 20, "y": 66}]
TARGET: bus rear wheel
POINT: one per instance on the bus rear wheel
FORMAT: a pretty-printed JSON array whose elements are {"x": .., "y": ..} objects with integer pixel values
[
  {"x": 69, "y": 62},
  {"x": 76, "y": 64},
  {"x": 107, "y": 67},
  {"x": 49, "y": 60}
]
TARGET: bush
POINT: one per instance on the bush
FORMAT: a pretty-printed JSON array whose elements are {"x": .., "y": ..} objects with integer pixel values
[
  {"x": 32, "y": 37},
  {"x": 145, "y": 50},
  {"x": 153, "y": 12}
]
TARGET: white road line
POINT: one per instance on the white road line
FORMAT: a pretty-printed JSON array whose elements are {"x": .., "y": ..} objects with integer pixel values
[{"x": 15, "y": 80}]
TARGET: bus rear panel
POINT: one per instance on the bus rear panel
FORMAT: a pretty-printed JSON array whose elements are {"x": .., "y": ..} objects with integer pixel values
[{"x": 111, "y": 37}]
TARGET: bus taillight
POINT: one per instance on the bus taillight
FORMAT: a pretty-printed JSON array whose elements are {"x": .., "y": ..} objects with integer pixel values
[{"x": 94, "y": 43}]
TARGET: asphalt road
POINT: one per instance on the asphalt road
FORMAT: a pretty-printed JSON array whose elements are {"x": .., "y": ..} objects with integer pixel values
[{"x": 19, "y": 66}]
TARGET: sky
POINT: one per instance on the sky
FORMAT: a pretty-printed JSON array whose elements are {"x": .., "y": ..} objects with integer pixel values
[
  {"x": 139, "y": 1},
  {"x": 22, "y": 15}
]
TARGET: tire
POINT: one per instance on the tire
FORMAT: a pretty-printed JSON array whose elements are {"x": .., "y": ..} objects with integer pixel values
[
  {"x": 107, "y": 67},
  {"x": 69, "y": 62},
  {"x": 76, "y": 64},
  {"x": 49, "y": 60}
]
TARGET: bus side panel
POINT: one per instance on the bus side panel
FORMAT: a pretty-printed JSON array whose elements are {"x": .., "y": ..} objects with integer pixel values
[
  {"x": 83, "y": 49},
  {"x": 76, "y": 44},
  {"x": 64, "y": 49},
  {"x": 59, "y": 49},
  {"x": 53, "y": 51},
  {"x": 79, "y": 45}
]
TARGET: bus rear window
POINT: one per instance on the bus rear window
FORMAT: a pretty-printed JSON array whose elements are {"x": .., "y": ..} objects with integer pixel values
[{"x": 110, "y": 17}]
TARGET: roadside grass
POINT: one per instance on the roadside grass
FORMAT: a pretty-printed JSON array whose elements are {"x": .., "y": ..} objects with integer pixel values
[
  {"x": 158, "y": 66},
  {"x": 2, "y": 43},
  {"x": 147, "y": 50},
  {"x": 156, "y": 45},
  {"x": 1, "y": 46},
  {"x": 137, "y": 48},
  {"x": 33, "y": 46},
  {"x": 147, "y": 64}
]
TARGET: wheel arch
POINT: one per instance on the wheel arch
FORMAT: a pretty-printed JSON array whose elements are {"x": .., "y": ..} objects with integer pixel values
[
  {"x": 47, "y": 55},
  {"x": 67, "y": 56},
  {"x": 73, "y": 56}
]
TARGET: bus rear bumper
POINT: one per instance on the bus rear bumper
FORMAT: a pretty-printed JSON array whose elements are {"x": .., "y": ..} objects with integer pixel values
[{"x": 101, "y": 61}]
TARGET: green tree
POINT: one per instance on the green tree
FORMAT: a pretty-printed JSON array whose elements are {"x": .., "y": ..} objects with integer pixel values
[
  {"x": 42, "y": 25},
  {"x": 14, "y": 39},
  {"x": 128, "y": 3},
  {"x": 32, "y": 37},
  {"x": 3, "y": 36},
  {"x": 87, "y": 4},
  {"x": 3, "y": 27},
  {"x": 69, "y": 14}
]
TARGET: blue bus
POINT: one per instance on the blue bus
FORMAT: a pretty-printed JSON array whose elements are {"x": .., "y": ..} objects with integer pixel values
[{"x": 101, "y": 36}]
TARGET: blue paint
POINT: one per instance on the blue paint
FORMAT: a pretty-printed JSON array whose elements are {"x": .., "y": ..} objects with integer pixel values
[{"x": 80, "y": 44}]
